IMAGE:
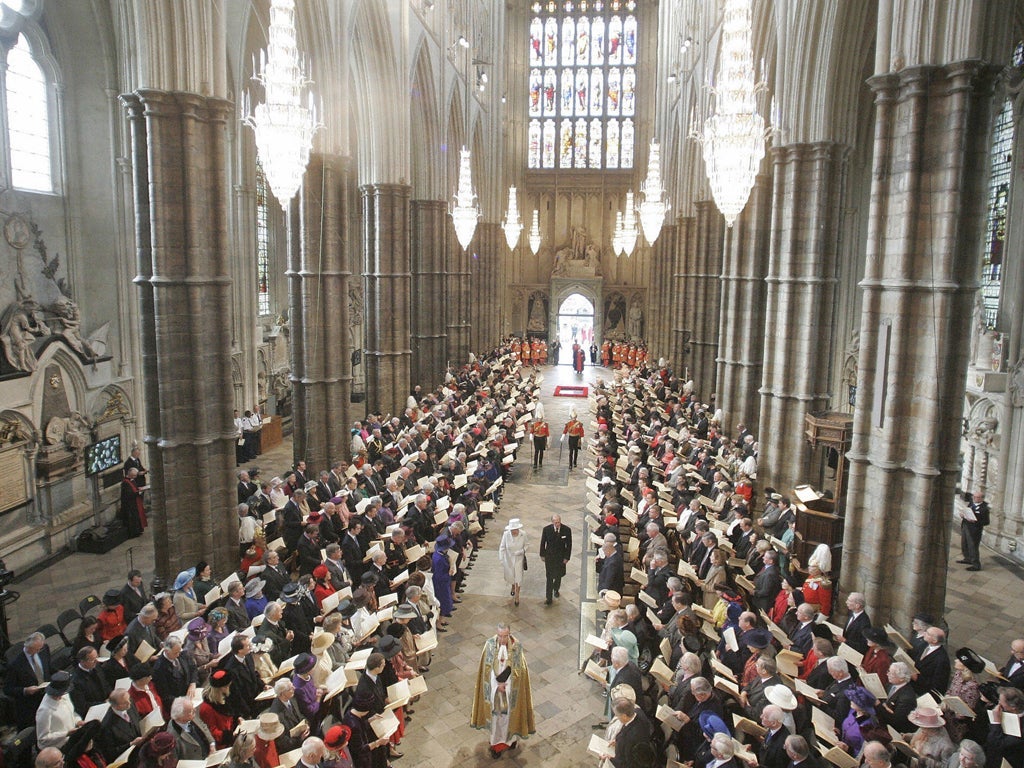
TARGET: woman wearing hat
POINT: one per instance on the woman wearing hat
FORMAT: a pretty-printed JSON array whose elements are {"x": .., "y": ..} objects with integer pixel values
[
  {"x": 197, "y": 647},
  {"x": 931, "y": 740},
  {"x": 442, "y": 569},
  {"x": 861, "y": 724},
  {"x": 218, "y": 620},
  {"x": 204, "y": 580},
  {"x": 817, "y": 588},
  {"x": 269, "y": 730},
  {"x": 964, "y": 685},
  {"x": 512, "y": 553},
  {"x": 157, "y": 751},
  {"x": 336, "y": 741},
  {"x": 878, "y": 658},
  {"x": 214, "y": 709},
  {"x": 322, "y": 643},
  {"x": 255, "y": 600},
  {"x": 186, "y": 602},
  {"x": 80, "y": 750},
  {"x": 367, "y": 750},
  {"x": 55, "y": 717},
  {"x": 111, "y": 616},
  {"x": 399, "y": 629},
  {"x": 323, "y": 586},
  {"x": 307, "y": 694},
  {"x": 143, "y": 694},
  {"x": 116, "y": 667},
  {"x": 395, "y": 669}
]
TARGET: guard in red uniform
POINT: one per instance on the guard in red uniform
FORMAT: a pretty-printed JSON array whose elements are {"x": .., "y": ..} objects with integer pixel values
[
  {"x": 574, "y": 429},
  {"x": 540, "y": 431}
]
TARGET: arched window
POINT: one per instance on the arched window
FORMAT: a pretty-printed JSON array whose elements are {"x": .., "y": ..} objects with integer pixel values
[
  {"x": 262, "y": 243},
  {"x": 28, "y": 120},
  {"x": 581, "y": 82},
  {"x": 995, "y": 224}
]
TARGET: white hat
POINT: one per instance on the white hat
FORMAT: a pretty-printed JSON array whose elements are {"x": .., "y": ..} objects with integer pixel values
[
  {"x": 781, "y": 696},
  {"x": 514, "y": 524}
]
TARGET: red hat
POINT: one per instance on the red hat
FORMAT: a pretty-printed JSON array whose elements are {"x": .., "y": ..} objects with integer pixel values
[
  {"x": 337, "y": 736},
  {"x": 320, "y": 572}
]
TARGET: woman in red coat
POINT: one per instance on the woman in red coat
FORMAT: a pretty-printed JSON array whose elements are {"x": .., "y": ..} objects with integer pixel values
[
  {"x": 214, "y": 711},
  {"x": 143, "y": 695},
  {"x": 878, "y": 658}
]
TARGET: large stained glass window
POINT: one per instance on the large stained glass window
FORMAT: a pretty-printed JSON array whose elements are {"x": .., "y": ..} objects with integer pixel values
[
  {"x": 582, "y": 84},
  {"x": 262, "y": 243}
]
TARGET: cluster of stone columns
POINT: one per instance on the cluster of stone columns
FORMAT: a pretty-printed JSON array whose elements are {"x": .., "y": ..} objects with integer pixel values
[
  {"x": 429, "y": 328},
  {"x": 319, "y": 275},
  {"x": 178, "y": 164}
]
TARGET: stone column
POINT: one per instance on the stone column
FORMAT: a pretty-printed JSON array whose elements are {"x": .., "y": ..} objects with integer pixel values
[
  {"x": 429, "y": 292},
  {"x": 681, "y": 332},
  {"x": 923, "y": 253},
  {"x": 704, "y": 269},
  {"x": 659, "y": 307},
  {"x": 388, "y": 296},
  {"x": 184, "y": 287},
  {"x": 806, "y": 215},
  {"x": 318, "y": 275},
  {"x": 741, "y": 334},
  {"x": 458, "y": 296},
  {"x": 489, "y": 246}
]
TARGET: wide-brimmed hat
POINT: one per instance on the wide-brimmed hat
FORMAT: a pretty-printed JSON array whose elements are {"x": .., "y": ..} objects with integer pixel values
[
  {"x": 861, "y": 697},
  {"x": 115, "y": 644},
  {"x": 322, "y": 642},
  {"x": 623, "y": 691},
  {"x": 140, "y": 671},
  {"x": 781, "y": 696},
  {"x": 757, "y": 638},
  {"x": 261, "y": 645},
  {"x": 927, "y": 717},
  {"x": 290, "y": 593},
  {"x": 79, "y": 740},
  {"x": 60, "y": 683},
  {"x": 254, "y": 587},
  {"x": 710, "y": 724},
  {"x": 404, "y": 612},
  {"x": 369, "y": 578},
  {"x": 609, "y": 600},
  {"x": 514, "y": 524},
  {"x": 197, "y": 629},
  {"x": 163, "y": 743},
  {"x": 337, "y": 736},
  {"x": 270, "y": 727},
  {"x": 112, "y": 597},
  {"x": 877, "y": 635},
  {"x": 389, "y": 646},
  {"x": 309, "y": 486},
  {"x": 971, "y": 660},
  {"x": 184, "y": 578},
  {"x": 304, "y": 662}
]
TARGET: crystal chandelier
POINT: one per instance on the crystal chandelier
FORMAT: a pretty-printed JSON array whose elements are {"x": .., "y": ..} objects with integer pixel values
[
  {"x": 283, "y": 124},
  {"x": 733, "y": 138},
  {"x": 512, "y": 224},
  {"x": 465, "y": 211},
  {"x": 655, "y": 204},
  {"x": 534, "y": 236},
  {"x": 617, "y": 234},
  {"x": 629, "y": 232}
]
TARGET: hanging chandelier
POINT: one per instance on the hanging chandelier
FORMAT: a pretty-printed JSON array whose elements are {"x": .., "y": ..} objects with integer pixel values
[
  {"x": 734, "y": 136},
  {"x": 655, "y": 204},
  {"x": 512, "y": 224},
  {"x": 534, "y": 236},
  {"x": 629, "y": 232},
  {"x": 285, "y": 123},
  {"x": 465, "y": 211},
  {"x": 617, "y": 235}
]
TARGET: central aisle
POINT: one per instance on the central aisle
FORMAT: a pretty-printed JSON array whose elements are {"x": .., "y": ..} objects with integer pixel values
[{"x": 566, "y": 704}]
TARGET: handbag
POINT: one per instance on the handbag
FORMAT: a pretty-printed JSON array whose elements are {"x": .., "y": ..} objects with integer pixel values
[{"x": 526, "y": 566}]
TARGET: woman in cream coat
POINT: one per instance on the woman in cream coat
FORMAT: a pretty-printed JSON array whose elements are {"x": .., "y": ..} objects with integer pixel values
[{"x": 512, "y": 553}]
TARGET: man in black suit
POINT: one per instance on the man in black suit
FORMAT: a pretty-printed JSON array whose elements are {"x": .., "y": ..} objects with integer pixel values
[
  {"x": 192, "y": 739},
  {"x": 555, "y": 549},
  {"x": 26, "y": 678},
  {"x": 142, "y": 628},
  {"x": 121, "y": 726},
  {"x": 88, "y": 686},
  {"x": 609, "y": 563},
  {"x": 308, "y": 547},
  {"x": 352, "y": 551},
  {"x": 238, "y": 616},
  {"x": 623, "y": 672},
  {"x": 273, "y": 629},
  {"x": 133, "y": 595},
  {"x": 1013, "y": 670},
  {"x": 834, "y": 697},
  {"x": 292, "y": 519},
  {"x": 174, "y": 672},
  {"x": 802, "y": 636},
  {"x": 300, "y": 474},
  {"x": 767, "y": 583},
  {"x": 772, "y": 753},
  {"x": 288, "y": 714},
  {"x": 246, "y": 487},
  {"x": 370, "y": 687},
  {"x": 933, "y": 663},
  {"x": 853, "y": 633},
  {"x": 275, "y": 576},
  {"x": 901, "y": 699},
  {"x": 800, "y": 753},
  {"x": 635, "y": 733},
  {"x": 974, "y": 518},
  {"x": 245, "y": 682},
  {"x": 657, "y": 578}
]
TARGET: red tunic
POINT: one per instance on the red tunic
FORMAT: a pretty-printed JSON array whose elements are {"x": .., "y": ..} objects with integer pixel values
[
  {"x": 877, "y": 660},
  {"x": 266, "y": 754},
  {"x": 143, "y": 704},
  {"x": 111, "y": 621},
  {"x": 221, "y": 724}
]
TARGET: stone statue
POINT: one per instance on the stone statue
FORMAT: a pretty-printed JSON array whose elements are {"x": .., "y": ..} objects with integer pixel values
[
  {"x": 538, "y": 319},
  {"x": 17, "y": 339},
  {"x": 984, "y": 431},
  {"x": 71, "y": 318},
  {"x": 1015, "y": 386},
  {"x": 355, "y": 306},
  {"x": 635, "y": 326},
  {"x": 72, "y": 431},
  {"x": 13, "y": 431},
  {"x": 978, "y": 328}
]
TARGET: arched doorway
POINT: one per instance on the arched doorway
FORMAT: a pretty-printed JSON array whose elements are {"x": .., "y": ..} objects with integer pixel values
[{"x": 575, "y": 325}]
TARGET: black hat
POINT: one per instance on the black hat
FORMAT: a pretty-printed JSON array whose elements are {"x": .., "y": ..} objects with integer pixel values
[
  {"x": 221, "y": 678},
  {"x": 389, "y": 646},
  {"x": 369, "y": 577},
  {"x": 60, "y": 683},
  {"x": 971, "y": 660},
  {"x": 395, "y": 629},
  {"x": 290, "y": 592},
  {"x": 139, "y": 671},
  {"x": 820, "y": 630},
  {"x": 877, "y": 635},
  {"x": 925, "y": 618},
  {"x": 989, "y": 692},
  {"x": 757, "y": 638},
  {"x": 112, "y": 597},
  {"x": 79, "y": 740},
  {"x": 115, "y": 644}
]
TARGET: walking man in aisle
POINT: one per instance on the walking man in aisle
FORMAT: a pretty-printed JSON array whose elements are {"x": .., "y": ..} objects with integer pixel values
[
  {"x": 574, "y": 429},
  {"x": 540, "y": 431},
  {"x": 555, "y": 549},
  {"x": 975, "y": 518}
]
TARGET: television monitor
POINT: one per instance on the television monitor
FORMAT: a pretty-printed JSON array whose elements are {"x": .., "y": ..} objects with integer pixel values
[{"x": 102, "y": 455}]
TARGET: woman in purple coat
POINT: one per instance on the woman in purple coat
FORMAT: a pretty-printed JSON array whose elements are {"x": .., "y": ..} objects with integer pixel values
[
  {"x": 441, "y": 568},
  {"x": 307, "y": 695}
]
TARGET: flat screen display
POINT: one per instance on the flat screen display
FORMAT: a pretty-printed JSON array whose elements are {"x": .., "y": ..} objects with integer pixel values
[{"x": 101, "y": 456}]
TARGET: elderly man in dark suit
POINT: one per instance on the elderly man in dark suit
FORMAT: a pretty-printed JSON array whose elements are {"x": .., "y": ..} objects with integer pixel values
[
  {"x": 287, "y": 712},
  {"x": 555, "y": 549},
  {"x": 88, "y": 685},
  {"x": 634, "y": 735},
  {"x": 858, "y": 621},
  {"x": 933, "y": 663},
  {"x": 1013, "y": 670},
  {"x": 26, "y": 678},
  {"x": 121, "y": 726},
  {"x": 174, "y": 673},
  {"x": 802, "y": 636},
  {"x": 901, "y": 699},
  {"x": 609, "y": 563},
  {"x": 192, "y": 738},
  {"x": 772, "y": 751},
  {"x": 767, "y": 583}
]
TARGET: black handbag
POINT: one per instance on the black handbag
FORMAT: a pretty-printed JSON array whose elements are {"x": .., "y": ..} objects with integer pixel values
[{"x": 526, "y": 566}]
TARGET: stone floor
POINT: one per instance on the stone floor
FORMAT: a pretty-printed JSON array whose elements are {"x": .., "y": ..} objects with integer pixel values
[{"x": 980, "y": 611}]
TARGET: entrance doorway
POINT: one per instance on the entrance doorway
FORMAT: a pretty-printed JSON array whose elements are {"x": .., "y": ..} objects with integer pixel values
[{"x": 575, "y": 326}]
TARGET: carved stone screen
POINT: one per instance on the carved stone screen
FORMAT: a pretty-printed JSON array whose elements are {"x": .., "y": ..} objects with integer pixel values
[{"x": 12, "y": 479}]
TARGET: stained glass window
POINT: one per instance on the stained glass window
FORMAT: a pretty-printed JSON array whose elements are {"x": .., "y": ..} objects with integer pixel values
[
  {"x": 262, "y": 244},
  {"x": 582, "y": 82}
]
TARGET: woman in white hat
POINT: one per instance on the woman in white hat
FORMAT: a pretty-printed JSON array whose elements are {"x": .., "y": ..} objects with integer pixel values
[
  {"x": 512, "y": 553},
  {"x": 931, "y": 741}
]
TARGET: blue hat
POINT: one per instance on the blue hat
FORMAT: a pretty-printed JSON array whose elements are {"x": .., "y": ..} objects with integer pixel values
[
  {"x": 710, "y": 724},
  {"x": 184, "y": 578},
  {"x": 757, "y": 638},
  {"x": 862, "y": 697}
]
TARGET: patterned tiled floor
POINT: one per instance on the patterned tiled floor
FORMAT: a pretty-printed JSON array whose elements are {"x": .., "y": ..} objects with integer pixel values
[{"x": 566, "y": 703}]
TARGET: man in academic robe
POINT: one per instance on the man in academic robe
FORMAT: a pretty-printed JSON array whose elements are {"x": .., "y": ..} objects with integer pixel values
[
  {"x": 121, "y": 726},
  {"x": 503, "y": 697}
]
